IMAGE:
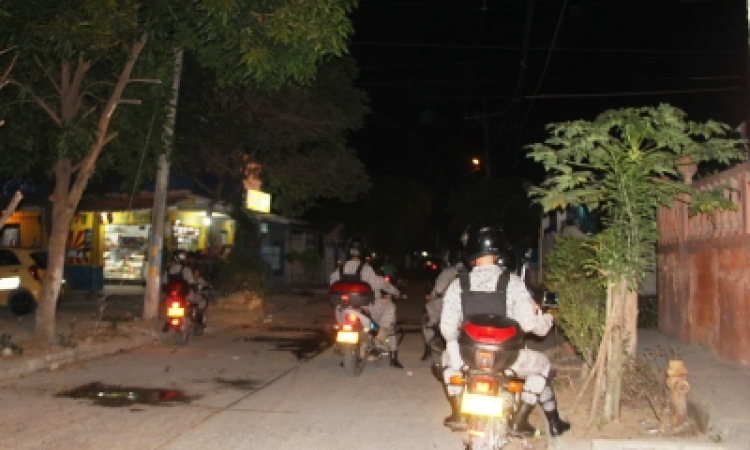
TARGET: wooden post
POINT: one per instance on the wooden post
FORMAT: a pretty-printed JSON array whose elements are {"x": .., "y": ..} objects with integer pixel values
[{"x": 678, "y": 390}]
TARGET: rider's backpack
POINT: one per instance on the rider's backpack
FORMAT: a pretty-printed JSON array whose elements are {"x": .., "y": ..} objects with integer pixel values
[{"x": 350, "y": 290}]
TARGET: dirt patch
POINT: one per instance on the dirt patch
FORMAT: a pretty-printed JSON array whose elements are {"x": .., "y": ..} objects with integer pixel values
[{"x": 637, "y": 421}]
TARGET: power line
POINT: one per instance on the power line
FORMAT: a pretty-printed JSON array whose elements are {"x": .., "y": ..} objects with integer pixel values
[
  {"x": 559, "y": 80},
  {"x": 565, "y": 96},
  {"x": 544, "y": 49},
  {"x": 622, "y": 94}
]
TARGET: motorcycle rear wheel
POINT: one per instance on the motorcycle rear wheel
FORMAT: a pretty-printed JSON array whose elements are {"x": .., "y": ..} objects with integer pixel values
[
  {"x": 181, "y": 334},
  {"x": 354, "y": 359}
]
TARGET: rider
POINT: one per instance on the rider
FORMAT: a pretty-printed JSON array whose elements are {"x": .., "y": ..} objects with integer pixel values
[
  {"x": 382, "y": 310},
  {"x": 180, "y": 271},
  {"x": 388, "y": 268},
  {"x": 482, "y": 252},
  {"x": 434, "y": 304}
]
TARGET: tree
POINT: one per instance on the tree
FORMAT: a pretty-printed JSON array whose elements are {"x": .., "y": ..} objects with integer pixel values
[
  {"x": 626, "y": 163},
  {"x": 296, "y": 134},
  {"x": 70, "y": 52}
]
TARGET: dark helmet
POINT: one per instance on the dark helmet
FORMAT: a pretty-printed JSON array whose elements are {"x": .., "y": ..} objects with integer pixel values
[
  {"x": 477, "y": 241},
  {"x": 356, "y": 248}
]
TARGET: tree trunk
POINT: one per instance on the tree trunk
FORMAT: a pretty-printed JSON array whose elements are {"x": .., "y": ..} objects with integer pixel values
[
  {"x": 615, "y": 352},
  {"x": 631, "y": 323},
  {"x": 62, "y": 215},
  {"x": 66, "y": 196}
]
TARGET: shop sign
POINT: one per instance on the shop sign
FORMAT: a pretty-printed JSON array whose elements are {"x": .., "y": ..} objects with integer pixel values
[{"x": 258, "y": 201}]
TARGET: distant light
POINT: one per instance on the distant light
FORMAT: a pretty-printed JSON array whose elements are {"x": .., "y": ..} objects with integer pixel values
[
  {"x": 425, "y": 254},
  {"x": 475, "y": 161}
]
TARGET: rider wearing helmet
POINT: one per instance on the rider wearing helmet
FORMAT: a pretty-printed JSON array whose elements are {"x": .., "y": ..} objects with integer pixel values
[
  {"x": 382, "y": 310},
  {"x": 483, "y": 249},
  {"x": 180, "y": 270},
  {"x": 430, "y": 327}
]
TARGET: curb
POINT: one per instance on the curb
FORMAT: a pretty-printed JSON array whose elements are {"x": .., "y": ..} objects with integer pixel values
[
  {"x": 20, "y": 366},
  {"x": 85, "y": 352}
]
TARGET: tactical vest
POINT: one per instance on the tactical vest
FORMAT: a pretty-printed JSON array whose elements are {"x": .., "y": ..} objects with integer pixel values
[
  {"x": 474, "y": 302},
  {"x": 356, "y": 276}
]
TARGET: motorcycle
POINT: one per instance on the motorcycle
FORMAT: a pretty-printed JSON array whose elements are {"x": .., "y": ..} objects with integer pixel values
[
  {"x": 489, "y": 344},
  {"x": 359, "y": 339},
  {"x": 181, "y": 315}
]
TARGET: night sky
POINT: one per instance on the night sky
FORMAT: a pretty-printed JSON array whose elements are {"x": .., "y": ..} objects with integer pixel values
[{"x": 441, "y": 73}]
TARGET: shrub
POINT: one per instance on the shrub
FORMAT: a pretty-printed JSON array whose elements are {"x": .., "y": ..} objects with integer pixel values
[{"x": 582, "y": 296}]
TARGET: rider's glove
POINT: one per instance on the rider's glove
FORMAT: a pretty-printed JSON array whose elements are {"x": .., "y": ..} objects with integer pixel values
[{"x": 543, "y": 324}]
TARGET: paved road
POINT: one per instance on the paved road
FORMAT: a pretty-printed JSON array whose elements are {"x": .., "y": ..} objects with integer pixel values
[{"x": 241, "y": 388}]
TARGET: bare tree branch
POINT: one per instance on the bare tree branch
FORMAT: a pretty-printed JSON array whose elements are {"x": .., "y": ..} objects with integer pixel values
[{"x": 11, "y": 208}]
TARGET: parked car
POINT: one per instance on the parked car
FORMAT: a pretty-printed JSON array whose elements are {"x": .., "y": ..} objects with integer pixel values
[{"x": 21, "y": 275}]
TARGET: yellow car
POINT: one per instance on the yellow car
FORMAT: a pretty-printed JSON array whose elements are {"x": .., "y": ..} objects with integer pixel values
[{"x": 21, "y": 275}]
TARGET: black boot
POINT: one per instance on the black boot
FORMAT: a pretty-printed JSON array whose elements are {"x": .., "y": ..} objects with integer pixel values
[
  {"x": 394, "y": 361},
  {"x": 557, "y": 426},
  {"x": 456, "y": 421},
  {"x": 427, "y": 352},
  {"x": 520, "y": 426}
]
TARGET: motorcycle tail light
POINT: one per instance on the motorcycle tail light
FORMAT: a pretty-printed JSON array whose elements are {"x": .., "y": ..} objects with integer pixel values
[
  {"x": 387, "y": 279},
  {"x": 483, "y": 386},
  {"x": 344, "y": 298},
  {"x": 485, "y": 359},
  {"x": 456, "y": 380},
  {"x": 514, "y": 387},
  {"x": 489, "y": 335},
  {"x": 350, "y": 322},
  {"x": 34, "y": 272}
]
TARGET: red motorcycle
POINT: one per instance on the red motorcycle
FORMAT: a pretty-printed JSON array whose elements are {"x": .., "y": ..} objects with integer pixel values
[{"x": 180, "y": 313}]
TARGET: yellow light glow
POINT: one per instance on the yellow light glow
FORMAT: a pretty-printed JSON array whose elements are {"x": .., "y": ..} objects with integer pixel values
[
  {"x": 9, "y": 283},
  {"x": 347, "y": 337},
  {"x": 258, "y": 201},
  {"x": 481, "y": 405}
]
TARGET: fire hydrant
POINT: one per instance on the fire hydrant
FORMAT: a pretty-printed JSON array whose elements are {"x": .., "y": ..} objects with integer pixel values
[{"x": 678, "y": 390}]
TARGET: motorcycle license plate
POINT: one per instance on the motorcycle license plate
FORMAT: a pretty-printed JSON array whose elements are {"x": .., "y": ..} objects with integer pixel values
[
  {"x": 176, "y": 311},
  {"x": 347, "y": 337},
  {"x": 481, "y": 405}
]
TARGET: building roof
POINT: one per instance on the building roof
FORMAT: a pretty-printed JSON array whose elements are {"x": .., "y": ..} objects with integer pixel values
[{"x": 123, "y": 202}]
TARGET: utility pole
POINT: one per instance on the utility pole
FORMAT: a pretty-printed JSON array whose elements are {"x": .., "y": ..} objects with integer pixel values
[
  {"x": 484, "y": 120},
  {"x": 155, "y": 249}
]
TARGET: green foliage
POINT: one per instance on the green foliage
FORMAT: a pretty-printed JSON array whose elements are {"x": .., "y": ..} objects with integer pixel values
[
  {"x": 243, "y": 270},
  {"x": 625, "y": 164},
  {"x": 297, "y": 133},
  {"x": 310, "y": 259},
  {"x": 235, "y": 276},
  {"x": 582, "y": 297},
  {"x": 265, "y": 44}
]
